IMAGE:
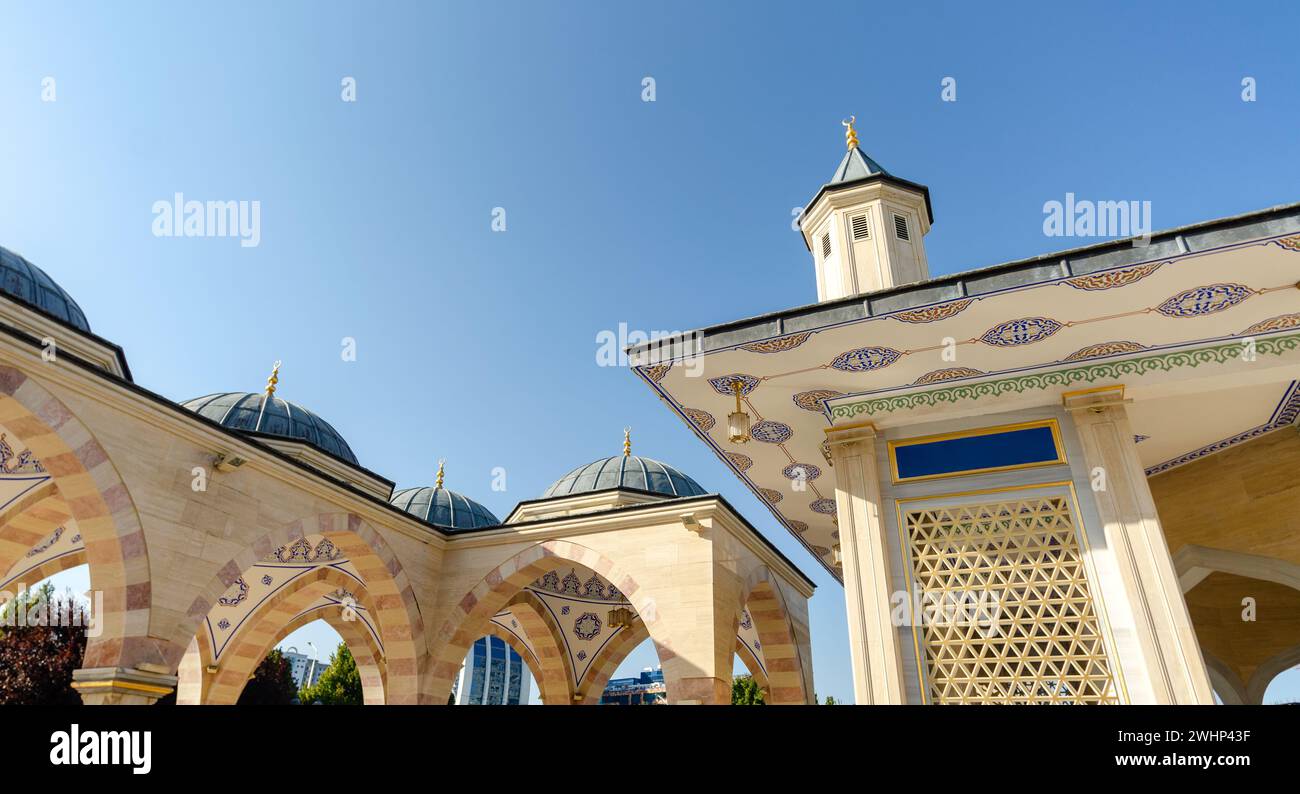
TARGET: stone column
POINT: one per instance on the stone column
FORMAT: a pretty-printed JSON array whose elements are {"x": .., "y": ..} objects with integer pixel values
[
  {"x": 118, "y": 686},
  {"x": 873, "y": 638},
  {"x": 1148, "y": 599}
]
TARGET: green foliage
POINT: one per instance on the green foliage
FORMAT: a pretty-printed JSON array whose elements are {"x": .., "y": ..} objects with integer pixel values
[
  {"x": 831, "y": 701},
  {"x": 745, "y": 691},
  {"x": 339, "y": 685},
  {"x": 271, "y": 683},
  {"x": 42, "y": 640}
]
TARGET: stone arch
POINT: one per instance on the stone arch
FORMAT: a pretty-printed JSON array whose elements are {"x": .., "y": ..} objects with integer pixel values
[
  {"x": 365, "y": 651},
  {"x": 1194, "y": 563},
  {"x": 613, "y": 654},
  {"x": 752, "y": 665},
  {"x": 1266, "y": 672},
  {"x": 271, "y": 622},
  {"x": 1224, "y": 681},
  {"x": 553, "y": 674},
  {"x": 394, "y": 606},
  {"x": 105, "y": 514},
  {"x": 788, "y": 673},
  {"x": 474, "y": 611}
]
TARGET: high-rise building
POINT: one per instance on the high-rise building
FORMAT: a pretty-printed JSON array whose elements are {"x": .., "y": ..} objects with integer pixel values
[
  {"x": 493, "y": 675},
  {"x": 306, "y": 670}
]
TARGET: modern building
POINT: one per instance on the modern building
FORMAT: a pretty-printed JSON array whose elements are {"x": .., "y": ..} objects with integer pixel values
[
  {"x": 493, "y": 675},
  {"x": 306, "y": 670},
  {"x": 646, "y": 689},
  {"x": 1052, "y": 480}
]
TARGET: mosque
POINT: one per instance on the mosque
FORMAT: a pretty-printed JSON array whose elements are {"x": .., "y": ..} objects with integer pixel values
[
  {"x": 1068, "y": 479},
  {"x": 215, "y": 527}
]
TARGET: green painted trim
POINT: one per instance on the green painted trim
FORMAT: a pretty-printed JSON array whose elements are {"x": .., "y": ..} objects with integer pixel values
[{"x": 1087, "y": 373}]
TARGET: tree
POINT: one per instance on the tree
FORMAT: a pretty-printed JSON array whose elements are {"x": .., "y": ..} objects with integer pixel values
[
  {"x": 271, "y": 683},
  {"x": 42, "y": 640},
  {"x": 745, "y": 691},
  {"x": 339, "y": 685}
]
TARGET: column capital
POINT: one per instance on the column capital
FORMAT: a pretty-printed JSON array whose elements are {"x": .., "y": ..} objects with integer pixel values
[
  {"x": 116, "y": 685},
  {"x": 1096, "y": 399},
  {"x": 847, "y": 434}
]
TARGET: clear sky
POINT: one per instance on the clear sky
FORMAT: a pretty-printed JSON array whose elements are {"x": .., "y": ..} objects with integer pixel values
[{"x": 479, "y": 346}]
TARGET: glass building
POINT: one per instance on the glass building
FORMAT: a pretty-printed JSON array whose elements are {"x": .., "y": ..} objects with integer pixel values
[{"x": 493, "y": 675}]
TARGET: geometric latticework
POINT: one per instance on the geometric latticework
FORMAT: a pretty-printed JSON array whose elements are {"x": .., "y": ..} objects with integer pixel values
[{"x": 1036, "y": 638}]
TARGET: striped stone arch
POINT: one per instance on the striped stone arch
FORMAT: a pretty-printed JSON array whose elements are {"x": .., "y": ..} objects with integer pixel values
[
  {"x": 550, "y": 662},
  {"x": 753, "y": 666},
  {"x": 789, "y": 674},
  {"x": 611, "y": 656},
  {"x": 392, "y": 602},
  {"x": 470, "y": 617},
  {"x": 105, "y": 514}
]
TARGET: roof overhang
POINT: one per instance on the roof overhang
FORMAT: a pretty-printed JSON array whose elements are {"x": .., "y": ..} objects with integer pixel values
[{"x": 1167, "y": 320}]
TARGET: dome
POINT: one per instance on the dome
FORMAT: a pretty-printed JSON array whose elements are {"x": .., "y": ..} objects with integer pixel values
[
  {"x": 625, "y": 471},
  {"x": 243, "y": 411},
  {"x": 26, "y": 282},
  {"x": 444, "y": 508}
]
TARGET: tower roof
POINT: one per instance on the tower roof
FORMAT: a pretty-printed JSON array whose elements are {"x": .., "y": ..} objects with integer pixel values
[{"x": 856, "y": 165}]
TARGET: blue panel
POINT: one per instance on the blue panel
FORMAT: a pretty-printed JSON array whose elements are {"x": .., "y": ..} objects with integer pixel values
[{"x": 970, "y": 453}]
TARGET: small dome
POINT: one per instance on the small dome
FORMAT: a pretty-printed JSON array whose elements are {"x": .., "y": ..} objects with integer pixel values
[
  {"x": 625, "y": 471},
  {"x": 243, "y": 411},
  {"x": 28, "y": 283},
  {"x": 444, "y": 508}
]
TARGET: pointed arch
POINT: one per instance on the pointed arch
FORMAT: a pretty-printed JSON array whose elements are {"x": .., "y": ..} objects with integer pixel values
[
  {"x": 469, "y": 618},
  {"x": 396, "y": 612},
  {"x": 784, "y": 636},
  {"x": 106, "y": 516}
]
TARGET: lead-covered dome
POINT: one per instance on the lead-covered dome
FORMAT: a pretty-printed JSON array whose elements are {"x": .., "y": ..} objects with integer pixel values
[
  {"x": 625, "y": 471},
  {"x": 443, "y": 507},
  {"x": 29, "y": 284},
  {"x": 243, "y": 411}
]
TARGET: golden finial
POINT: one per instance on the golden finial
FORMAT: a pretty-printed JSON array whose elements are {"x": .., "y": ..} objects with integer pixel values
[
  {"x": 627, "y": 442},
  {"x": 274, "y": 379},
  {"x": 441, "y": 463},
  {"x": 850, "y": 134}
]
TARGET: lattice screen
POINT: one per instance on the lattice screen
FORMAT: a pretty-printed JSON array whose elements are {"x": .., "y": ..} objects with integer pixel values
[{"x": 1040, "y": 642}]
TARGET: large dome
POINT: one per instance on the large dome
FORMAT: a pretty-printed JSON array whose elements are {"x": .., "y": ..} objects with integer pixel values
[
  {"x": 444, "y": 508},
  {"x": 29, "y": 284},
  {"x": 243, "y": 411},
  {"x": 625, "y": 471}
]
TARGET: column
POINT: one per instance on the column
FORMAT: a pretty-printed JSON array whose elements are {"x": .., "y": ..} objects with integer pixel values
[
  {"x": 873, "y": 638},
  {"x": 1148, "y": 590},
  {"x": 118, "y": 686}
]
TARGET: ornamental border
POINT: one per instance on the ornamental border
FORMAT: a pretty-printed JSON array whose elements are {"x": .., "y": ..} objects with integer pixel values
[{"x": 1162, "y": 362}]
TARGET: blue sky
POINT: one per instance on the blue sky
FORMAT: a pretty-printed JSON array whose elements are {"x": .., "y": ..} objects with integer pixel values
[{"x": 479, "y": 346}]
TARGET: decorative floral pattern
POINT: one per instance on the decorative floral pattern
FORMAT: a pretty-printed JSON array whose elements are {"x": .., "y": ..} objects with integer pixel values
[
  {"x": 1278, "y": 323},
  {"x": 1289, "y": 243},
  {"x": 865, "y": 359},
  {"x": 741, "y": 461},
  {"x": 1116, "y": 370},
  {"x": 797, "y": 526},
  {"x": 824, "y": 506},
  {"x": 1205, "y": 300},
  {"x": 223, "y": 624},
  {"x": 1114, "y": 278},
  {"x": 1024, "y": 331},
  {"x": 587, "y": 627},
  {"x": 940, "y": 375},
  {"x": 801, "y": 471},
  {"x": 301, "y": 550},
  {"x": 931, "y": 314},
  {"x": 267, "y": 580},
  {"x": 771, "y": 432},
  {"x": 701, "y": 419},
  {"x": 770, "y": 495},
  {"x": 812, "y": 400},
  {"x": 1138, "y": 439},
  {"x": 22, "y": 463},
  {"x": 238, "y": 598},
  {"x": 778, "y": 345},
  {"x": 723, "y": 385},
  {"x": 572, "y": 585},
  {"x": 44, "y": 546},
  {"x": 1104, "y": 349},
  {"x": 656, "y": 372},
  {"x": 746, "y": 621},
  {"x": 1288, "y": 410}
]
